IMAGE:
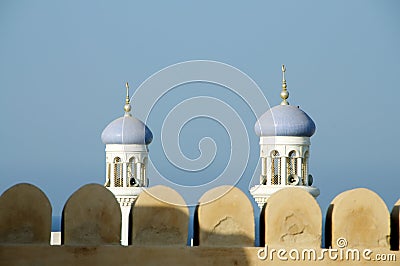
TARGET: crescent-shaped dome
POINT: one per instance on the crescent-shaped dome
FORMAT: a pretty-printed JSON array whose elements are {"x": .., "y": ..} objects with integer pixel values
[
  {"x": 126, "y": 130},
  {"x": 285, "y": 120}
]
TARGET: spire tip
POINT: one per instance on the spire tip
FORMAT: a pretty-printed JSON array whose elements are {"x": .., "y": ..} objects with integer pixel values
[
  {"x": 284, "y": 92},
  {"x": 127, "y": 106}
]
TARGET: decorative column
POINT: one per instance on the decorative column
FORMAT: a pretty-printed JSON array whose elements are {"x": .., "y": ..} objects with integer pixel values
[
  {"x": 299, "y": 161},
  {"x": 112, "y": 176},
  {"x": 142, "y": 174},
  {"x": 139, "y": 173},
  {"x": 124, "y": 174},
  {"x": 144, "y": 167},
  {"x": 263, "y": 170},
  {"x": 306, "y": 170},
  {"x": 283, "y": 170},
  {"x": 108, "y": 174},
  {"x": 125, "y": 211},
  {"x": 269, "y": 172}
]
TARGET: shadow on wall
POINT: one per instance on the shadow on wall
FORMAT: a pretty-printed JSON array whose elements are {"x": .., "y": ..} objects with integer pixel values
[
  {"x": 226, "y": 220},
  {"x": 158, "y": 226},
  {"x": 159, "y": 216},
  {"x": 394, "y": 226},
  {"x": 25, "y": 215},
  {"x": 91, "y": 216}
]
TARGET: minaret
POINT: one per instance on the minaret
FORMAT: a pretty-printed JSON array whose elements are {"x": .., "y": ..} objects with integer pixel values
[
  {"x": 284, "y": 132},
  {"x": 126, "y": 140}
]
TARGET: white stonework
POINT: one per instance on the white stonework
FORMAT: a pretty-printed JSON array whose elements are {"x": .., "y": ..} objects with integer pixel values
[
  {"x": 284, "y": 132},
  {"x": 126, "y": 165},
  {"x": 284, "y": 163},
  {"x": 55, "y": 238},
  {"x": 126, "y": 140},
  {"x": 126, "y": 177},
  {"x": 261, "y": 193}
]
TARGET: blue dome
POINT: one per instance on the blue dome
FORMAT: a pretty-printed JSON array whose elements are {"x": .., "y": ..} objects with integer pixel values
[
  {"x": 285, "y": 120},
  {"x": 126, "y": 130}
]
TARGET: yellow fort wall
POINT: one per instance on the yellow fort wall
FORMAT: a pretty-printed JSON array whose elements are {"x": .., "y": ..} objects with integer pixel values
[{"x": 359, "y": 229}]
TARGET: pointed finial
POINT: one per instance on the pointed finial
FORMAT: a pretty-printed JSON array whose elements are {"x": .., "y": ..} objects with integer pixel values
[
  {"x": 284, "y": 92},
  {"x": 127, "y": 106}
]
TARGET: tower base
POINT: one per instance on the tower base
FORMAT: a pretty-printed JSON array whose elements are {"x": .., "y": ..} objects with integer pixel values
[{"x": 261, "y": 193}]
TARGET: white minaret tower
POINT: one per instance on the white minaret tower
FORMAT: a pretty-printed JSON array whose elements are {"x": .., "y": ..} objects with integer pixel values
[
  {"x": 126, "y": 140},
  {"x": 284, "y": 132}
]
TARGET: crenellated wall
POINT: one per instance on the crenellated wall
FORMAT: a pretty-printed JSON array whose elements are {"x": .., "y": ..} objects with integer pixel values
[{"x": 359, "y": 229}]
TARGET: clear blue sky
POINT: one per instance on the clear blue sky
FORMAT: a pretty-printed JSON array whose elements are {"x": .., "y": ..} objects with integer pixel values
[{"x": 63, "y": 65}]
